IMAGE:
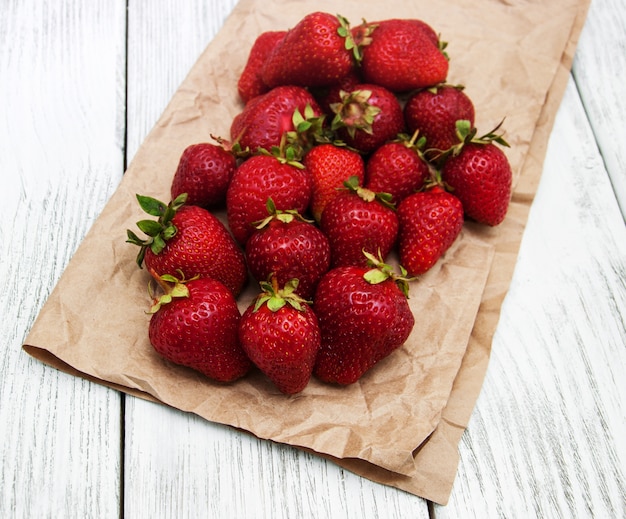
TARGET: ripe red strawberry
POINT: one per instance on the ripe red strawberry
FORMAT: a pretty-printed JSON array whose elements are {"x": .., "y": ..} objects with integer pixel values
[
  {"x": 403, "y": 57},
  {"x": 281, "y": 335},
  {"x": 287, "y": 246},
  {"x": 479, "y": 174},
  {"x": 261, "y": 177},
  {"x": 196, "y": 324},
  {"x": 326, "y": 96},
  {"x": 356, "y": 220},
  {"x": 204, "y": 172},
  {"x": 188, "y": 239},
  {"x": 317, "y": 51},
  {"x": 434, "y": 113},
  {"x": 250, "y": 83},
  {"x": 265, "y": 120},
  {"x": 430, "y": 221},
  {"x": 397, "y": 167},
  {"x": 367, "y": 117},
  {"x": 330, "y": 166},
  {"x": 364, "y": 316}
]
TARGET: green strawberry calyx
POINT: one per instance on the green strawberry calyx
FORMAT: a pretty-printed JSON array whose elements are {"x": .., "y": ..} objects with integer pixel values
[
  {"x": 157, "y": 231},
  {"x": 308, "y": 130},
  {"x": 414, "y": 142},
  {"x": 276, "y": 297},
  {"x": 381, "y": 272},
  {"x": 232, "y": 147},
  {"x": 353, "y": 184},
  {"x": 172, "y": 287},
  {"x": 355, "y": 39},
  {"x": 466, "y": 133},
  {"x": 285, "y": 216},
  {"x": 354, "y": 112}
]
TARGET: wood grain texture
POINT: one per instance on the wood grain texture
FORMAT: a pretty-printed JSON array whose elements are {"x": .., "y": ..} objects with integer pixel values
[
  {"x": 546, "y": 437},
  {"x": 600, "y": 72},
  {"x": 61, "y": 157}
]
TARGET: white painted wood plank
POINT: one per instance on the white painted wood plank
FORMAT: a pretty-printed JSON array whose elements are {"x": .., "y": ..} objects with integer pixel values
[
  {"x": 178, "y": 465},
  {"x": 600, "y": 72},
  {"x": 61, "y": 131},
  {"x": 547, "y": 436},
  {"x": 209, "y": 470}
]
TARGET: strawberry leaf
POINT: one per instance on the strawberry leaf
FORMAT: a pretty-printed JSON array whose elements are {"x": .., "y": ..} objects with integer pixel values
[
  {"x": 150, "y": 205},
  {"x": 150, "y": 227},
  {"x": 157, "y": 231},
  {"x": 276, "y": 298},
  {"x": 172, "y": 288}
]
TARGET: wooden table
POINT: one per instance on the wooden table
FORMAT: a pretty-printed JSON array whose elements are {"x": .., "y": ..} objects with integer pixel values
[{"x": 81, "y": 84}]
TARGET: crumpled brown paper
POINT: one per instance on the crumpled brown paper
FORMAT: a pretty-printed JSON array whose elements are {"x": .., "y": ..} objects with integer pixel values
[{"x": 401, "y": 423}]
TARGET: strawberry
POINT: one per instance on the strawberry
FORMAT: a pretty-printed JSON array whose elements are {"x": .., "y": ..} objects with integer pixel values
[
  {"x": 479, "y": 174},
  {"x": 280, "y": 334},
  {"x": 261, "y": 177},
  {"x": 267, "y": 118},
  {"x": 195, "y": 324},
  {"x": 434, "y": 113},
  {"x": 204, "y": 172},
  {"x": 288, "y": 246},
  {"x": 359, "y": 220},
  {"x": 367, "y": 116},
  {"x": 250, "y": 83},
  {"x": 317, "y": 51},
  {"x": 330, "y": 166},
  {"x": 397, "y": 167},
  {"x": 188, "y": 239},
  {"x": 363, "y": 316},
  {"x": 402, "y": 56},
  {"x": 327, "y": 96},
  {"x": 430, "y": 221}
]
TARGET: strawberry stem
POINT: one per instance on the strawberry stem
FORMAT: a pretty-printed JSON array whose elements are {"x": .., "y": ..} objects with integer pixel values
[
  {"x": 275, "y": 297},
  {"x": 382, "y": 271},
  {"x": 172, "y": 287}
]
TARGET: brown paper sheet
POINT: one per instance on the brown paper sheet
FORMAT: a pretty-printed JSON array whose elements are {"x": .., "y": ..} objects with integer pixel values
[{"x": 401, "y": 423}]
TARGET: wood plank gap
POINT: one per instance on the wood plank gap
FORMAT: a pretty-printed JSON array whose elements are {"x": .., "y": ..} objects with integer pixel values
[
  {"x": 125, "y": 141},
  {"x": 122, "y": 451},
  {"x": 122, "y": 475},
  {"x": 599, "y": 143}
]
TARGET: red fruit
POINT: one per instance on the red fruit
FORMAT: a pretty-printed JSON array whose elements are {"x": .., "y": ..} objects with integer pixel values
[
  {"x": 204, "y": 172},
  {"x": 356, "y": 220},
  {"x": 190, "y": 240},
  {"x": 398, "y": 168},
  {"x": 198, "y": 328},
  {"x": 430, "y": 221},
  {"x": 255, "y": 181},
  {"x": 327, "y": 96},
  {"x": 367, "y": 117},
  {"x": 250, "y": 83},
  {"x": 429, "y": 32},
  {"x": 479, "y": 174},
  {"x": 363, "y": 317},
  {"x": 402, "y": 56},
  {"x": 313, "y": 53},
  {"x": 268, "y": 117},
  {"x": 330, "y": 166},
  {"x": 287, "y": 246},
  {"x": 434, "y": 114},
  {"x": 281, "y": 335}
]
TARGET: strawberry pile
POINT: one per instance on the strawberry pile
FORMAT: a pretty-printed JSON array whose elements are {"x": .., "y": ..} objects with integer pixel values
[{"x": 350, "y": 147}]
